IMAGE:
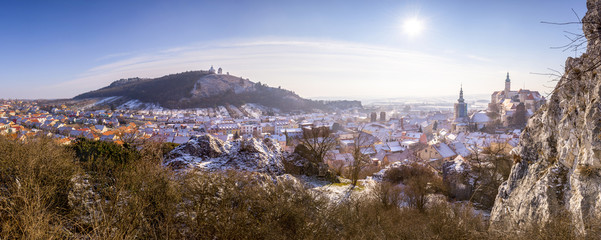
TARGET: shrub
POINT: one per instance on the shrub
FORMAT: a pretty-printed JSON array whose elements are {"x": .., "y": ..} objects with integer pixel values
[
  {"x": 35, "y": 181},
  {"x": 245, "y": 205},
  {"x": 103, "y": 156},
  {"x": 588, "y": 170}
]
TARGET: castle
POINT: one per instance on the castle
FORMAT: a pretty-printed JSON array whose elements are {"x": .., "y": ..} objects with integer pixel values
[
  {"x": 505, "y": 102},
  {"x": 212, "y": 70}
]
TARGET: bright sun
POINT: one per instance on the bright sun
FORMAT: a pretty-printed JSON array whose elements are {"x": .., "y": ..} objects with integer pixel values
[{"x": 413, "y": 27}]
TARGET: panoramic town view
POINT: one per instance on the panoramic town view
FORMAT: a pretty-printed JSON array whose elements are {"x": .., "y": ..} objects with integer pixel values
[{"x": 300, "y": 120}]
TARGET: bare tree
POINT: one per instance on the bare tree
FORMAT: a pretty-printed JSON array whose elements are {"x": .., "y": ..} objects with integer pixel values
[
  {"x": 520, "y": 116},
  {"x": 360, "y": 160},
  {"x": 491, "y": 166},
  {"x": 337, "y": 167},
  {"x": 578, "y": 44},
  {"x": 493, "y": 111},
  {"x": 318, "y": 141},
  {"x": 418, "y": 181},
  {"x": 388, "y": 193},
  {"x": 129, "y": 137},
  {"x": 419, "y": 186}
]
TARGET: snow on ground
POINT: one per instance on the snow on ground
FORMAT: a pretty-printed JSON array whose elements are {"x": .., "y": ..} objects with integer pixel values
[
  {"x": 211, "y": 112},
  {"x": 137, "y": 104},
  {"x": 107, "y": 100},
  {"x": 236, "y": 110},
  {"x": 337, "y": 192},
  {"x": 202, "y": 112},
  {"x": 253, "y": 111},
  {"x": 101, "y": 101},
  {"x": 223, "y": 111}
]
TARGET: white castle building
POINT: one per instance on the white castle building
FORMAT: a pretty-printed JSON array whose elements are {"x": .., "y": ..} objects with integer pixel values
[{"x": 212, "y": 70}]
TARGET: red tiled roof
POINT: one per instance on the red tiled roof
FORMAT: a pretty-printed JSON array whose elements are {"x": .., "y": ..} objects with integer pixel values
[{"x": 530, "y": 97}]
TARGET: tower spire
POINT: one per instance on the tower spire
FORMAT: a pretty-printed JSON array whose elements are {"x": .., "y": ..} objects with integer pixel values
[
  {"x": 507, "y": 86},
  {"x": 461, "y": 94}
]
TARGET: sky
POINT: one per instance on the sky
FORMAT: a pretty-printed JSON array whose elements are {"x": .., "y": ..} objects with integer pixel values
[{"x": 318, "y": 49}]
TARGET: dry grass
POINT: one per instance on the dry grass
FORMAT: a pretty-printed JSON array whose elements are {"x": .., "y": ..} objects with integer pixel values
[{"x": 35, "y": 180}]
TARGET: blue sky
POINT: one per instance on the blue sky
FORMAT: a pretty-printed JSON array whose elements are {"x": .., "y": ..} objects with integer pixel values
[{"x": 354, "y": 49}]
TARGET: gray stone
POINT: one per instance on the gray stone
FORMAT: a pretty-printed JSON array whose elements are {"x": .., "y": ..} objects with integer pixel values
[{"x": 558, "y": 160}]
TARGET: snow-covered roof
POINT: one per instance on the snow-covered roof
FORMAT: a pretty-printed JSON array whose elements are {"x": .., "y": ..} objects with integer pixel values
[
  {"x": 443, "y": 132},
  {"x": 458, "y": 165},
  {"x": 460, "y": 148},
  {"x": 380, "y": 156},
  {"x": 408, "y": 143},
  {"x": 367, "y": 150},
  {"x": 395, "y": 147},
  {"x": 480, "y": 117},
  {"x": 413, "y": 134},
  {"x": 444, "y": 150},
  {"x": 451, "y": 136},
  {"x": 291, "y": 130},
  {"x": 381, "y": 147}
]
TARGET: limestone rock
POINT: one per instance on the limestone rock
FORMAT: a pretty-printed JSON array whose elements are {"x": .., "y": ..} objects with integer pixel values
[
  {"x": 209, "y": 153},
  {"x": 558, "y": 161}
]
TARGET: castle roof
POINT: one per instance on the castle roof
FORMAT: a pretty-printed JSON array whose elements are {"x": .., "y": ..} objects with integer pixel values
[{"x": 530, "y": 97}]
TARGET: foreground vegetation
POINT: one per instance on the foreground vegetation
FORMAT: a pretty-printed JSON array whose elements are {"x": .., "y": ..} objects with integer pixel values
[{"x": 98, "y": 190}]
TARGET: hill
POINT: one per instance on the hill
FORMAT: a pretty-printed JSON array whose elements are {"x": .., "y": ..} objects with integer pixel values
[{"x": 199, "y": 89}]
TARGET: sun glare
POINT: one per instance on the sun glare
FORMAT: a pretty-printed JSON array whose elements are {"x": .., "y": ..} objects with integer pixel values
[{"x": 413, "y": 27}]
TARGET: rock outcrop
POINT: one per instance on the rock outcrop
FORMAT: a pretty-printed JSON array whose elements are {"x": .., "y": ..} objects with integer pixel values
[
  {"x": 209, "y": 153},
  {"x": 216, "y": 84},
  {"x": 557, "y": 165}
]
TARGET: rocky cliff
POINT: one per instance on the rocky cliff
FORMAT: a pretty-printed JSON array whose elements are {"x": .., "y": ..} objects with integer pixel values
[
  {"x": 216, "y": 84},
  {"x": 209, "y": 153},
  {"x": 557, "y": 165}
]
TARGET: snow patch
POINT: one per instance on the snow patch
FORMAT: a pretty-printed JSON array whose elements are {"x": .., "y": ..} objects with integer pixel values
[{"x": 209, "y": 153}]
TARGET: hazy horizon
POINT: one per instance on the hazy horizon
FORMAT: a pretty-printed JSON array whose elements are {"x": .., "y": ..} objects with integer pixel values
[{"x": 334, "y": 49}]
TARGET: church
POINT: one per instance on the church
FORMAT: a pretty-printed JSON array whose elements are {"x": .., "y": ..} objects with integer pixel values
[
  {"x": 505, "y": 102},
  {"x": 461, "y": 120}
]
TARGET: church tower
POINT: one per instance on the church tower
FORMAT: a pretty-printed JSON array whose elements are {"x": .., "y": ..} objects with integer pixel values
[
  {"x": 460, "y": 107},
  {"x": 507, "y": 85}
]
